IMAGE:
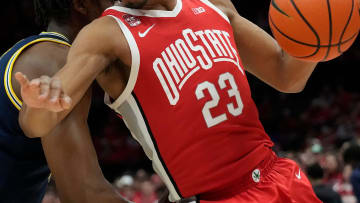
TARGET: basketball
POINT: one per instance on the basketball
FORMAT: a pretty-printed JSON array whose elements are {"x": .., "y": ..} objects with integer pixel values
[{"x": 315, "y": 30}]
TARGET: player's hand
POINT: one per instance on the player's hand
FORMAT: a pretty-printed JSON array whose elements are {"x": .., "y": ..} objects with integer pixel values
[{"x": 44, "y": 93}]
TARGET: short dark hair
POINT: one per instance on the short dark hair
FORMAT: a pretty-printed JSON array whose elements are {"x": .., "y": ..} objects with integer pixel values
[
  {"x": 45, "y": 10},
  {"x": 315, "y": 172}
]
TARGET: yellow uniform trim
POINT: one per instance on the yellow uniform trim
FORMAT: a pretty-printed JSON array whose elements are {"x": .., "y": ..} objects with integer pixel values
[
  {"x": 9, "y": 67},
  {"x": 56, "y": 34}
]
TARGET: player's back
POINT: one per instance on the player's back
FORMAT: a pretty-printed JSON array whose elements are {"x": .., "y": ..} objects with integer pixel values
[{"x": 23, "y": 169}]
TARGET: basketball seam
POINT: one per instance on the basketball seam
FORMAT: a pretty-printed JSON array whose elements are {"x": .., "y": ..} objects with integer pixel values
[
  {"x": 318, "y": 46},
  {"x": 274, "y": 4},
  {"x": 291, "y": 39},
  {"x": 310, "y": 45},
  {"x": 330, "y": 29},
  {"x": 311, "y": 28},
  {"x": 346, "y": 26}
]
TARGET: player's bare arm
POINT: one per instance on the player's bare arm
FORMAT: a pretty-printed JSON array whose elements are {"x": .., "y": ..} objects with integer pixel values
[
  {"x": 34, "y": 63},
  {"x": 68, "y": 149},
  {"x": 263, "y": 57},
  {"x": 73, "y": 161},
  {"x": 86, "y": 60}
]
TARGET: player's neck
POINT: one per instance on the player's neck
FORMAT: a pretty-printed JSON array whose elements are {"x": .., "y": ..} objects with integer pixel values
[{"x": 65, "y": 29}]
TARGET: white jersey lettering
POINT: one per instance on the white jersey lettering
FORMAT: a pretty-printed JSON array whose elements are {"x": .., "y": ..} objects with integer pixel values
[
  {"x": 185, "y": 53},
  {"x": 173, "y": 94},
  {"x": 215, "y": 42},
  {"x": 219, "y": 33},
  {"x": 198, "y": 48},
  {"x": 183, "y": 58},
  {"x": 201, "y": 34},
  {"x": 172, "y": 64},
  {"x": 180, "y": 60}
]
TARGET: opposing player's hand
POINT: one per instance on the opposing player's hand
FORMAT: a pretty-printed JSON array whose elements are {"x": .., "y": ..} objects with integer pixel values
[{"x": 43, "y": 92}]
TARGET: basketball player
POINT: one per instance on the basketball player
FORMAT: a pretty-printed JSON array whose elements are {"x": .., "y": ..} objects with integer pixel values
[
  {"x": 23, "y": 169},
  {"x": 183, "y": 93}
]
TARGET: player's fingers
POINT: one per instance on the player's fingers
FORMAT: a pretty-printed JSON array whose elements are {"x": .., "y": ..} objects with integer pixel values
[
  {"x": 22, "y": 79},
  {"x": 65, "y": 101},
  {"x": 44, "y": 87},
  {"x": 35, "y": 83},
  {"x": 55, "y": 90}
]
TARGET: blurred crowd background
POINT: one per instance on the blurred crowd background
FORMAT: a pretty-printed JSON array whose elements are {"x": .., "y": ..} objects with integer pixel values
[{"x": 319, "y": 128}]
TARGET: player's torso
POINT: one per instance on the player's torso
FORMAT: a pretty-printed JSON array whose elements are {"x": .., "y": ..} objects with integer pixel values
[
  {"x": 23, "y": 171},
  {"x": 191, "y": 106}
]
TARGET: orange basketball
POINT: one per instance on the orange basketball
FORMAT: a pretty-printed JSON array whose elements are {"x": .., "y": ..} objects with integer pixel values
[{"x": 315, "y": 30}]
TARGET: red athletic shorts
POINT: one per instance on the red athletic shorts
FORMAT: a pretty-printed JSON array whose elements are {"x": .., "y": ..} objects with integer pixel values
[{"x": 278, "y": 180}]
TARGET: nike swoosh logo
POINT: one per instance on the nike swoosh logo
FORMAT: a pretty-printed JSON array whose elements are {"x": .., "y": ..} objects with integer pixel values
[
  {"x": 143, "y": 34},
  {"x": 298, "y": 176}
]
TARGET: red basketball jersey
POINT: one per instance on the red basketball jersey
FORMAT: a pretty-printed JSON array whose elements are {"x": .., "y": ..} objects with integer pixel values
[{"x": 188, "y": 101}]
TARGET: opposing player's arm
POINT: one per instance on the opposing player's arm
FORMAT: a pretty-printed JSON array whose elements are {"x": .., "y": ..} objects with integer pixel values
[
  {"x": 42, "y": 59},
  {"x": 263, "y": 57},
  {"x": 73, "y": 161},
  {"x": 96, "y": 46},
  {"x": 68, "y": 149}
]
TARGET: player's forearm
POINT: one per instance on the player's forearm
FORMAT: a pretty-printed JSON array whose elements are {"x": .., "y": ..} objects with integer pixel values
[
  {"x": 72, "y": 160},
  {"x": 263, "y": 57},
  {"x": 79, "y": 73},
  {"x": 37, "y": 122}
]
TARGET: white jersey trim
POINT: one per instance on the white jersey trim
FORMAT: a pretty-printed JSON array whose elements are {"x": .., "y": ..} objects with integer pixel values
[
  {"x": 135, "y": 65},
  {"x": 157, "y": 164},
  {"x": 211, "y": 5},
  {"x": 127, "y": 98},
  {"x": 150, "y": 13},
  {"x": 136, "y": 123}
]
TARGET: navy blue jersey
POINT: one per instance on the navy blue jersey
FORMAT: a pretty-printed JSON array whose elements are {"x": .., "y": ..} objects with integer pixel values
[{"x": 23, "y": 168}]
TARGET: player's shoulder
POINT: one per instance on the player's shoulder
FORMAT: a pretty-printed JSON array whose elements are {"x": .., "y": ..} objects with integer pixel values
[
  {"x": 106, "y": 30},
  {"x": 34, "y": 56},
  {"x": 45, "y": 57},
  {"x": 105, "y": 27},
  {"x": 36, "y": 52}
]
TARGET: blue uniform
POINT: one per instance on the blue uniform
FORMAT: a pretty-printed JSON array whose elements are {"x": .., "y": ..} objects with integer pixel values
[{"x": 23, "y": 169}]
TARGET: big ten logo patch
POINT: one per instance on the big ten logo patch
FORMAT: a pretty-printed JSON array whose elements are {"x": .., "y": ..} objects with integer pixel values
[{"x": 198, "y": 10}]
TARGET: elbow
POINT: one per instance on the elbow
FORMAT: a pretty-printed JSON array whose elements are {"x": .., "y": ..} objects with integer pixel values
[
  {"x": 290, "y": 82},
  {"x": 36, "y": 123},
  {"x": 292, "y": 74},
  {"x": 27, "y": 132},
  {"x": 30, "y": 129}
]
